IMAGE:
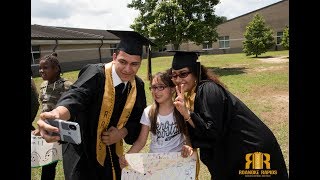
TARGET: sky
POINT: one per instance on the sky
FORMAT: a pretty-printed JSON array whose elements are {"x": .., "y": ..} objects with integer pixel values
[{"x": 114, "y": 14}]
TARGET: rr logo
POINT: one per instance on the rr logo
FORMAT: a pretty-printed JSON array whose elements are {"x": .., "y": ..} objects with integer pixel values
[{"x": 257, "y": 159}]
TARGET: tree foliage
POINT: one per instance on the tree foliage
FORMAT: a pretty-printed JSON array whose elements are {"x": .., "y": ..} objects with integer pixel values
[
  {"x": 223, "y": 19},
  {"x": 285, "y": 38},
  {"x": 258, "y": 37},
  {"x": 176, "y": 21}
]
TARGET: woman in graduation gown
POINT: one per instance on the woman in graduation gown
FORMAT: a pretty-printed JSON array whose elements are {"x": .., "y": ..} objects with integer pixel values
[
  {"x": 234, "y": 143},
  {"x": 107, "y": 101}
]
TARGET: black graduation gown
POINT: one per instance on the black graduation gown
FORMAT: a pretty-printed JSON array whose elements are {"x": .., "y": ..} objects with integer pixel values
[
  {"x": 226, "y": 130},
  {"x": 84, "y": 101}
]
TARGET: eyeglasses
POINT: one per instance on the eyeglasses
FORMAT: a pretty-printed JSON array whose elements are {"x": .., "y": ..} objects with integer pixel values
[
  {"x": 159, "y": 88},
  {"x": 181, "y": 75}
]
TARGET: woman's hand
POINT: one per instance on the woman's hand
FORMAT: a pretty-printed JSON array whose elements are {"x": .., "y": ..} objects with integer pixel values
[{"x": 179, "y": 102}]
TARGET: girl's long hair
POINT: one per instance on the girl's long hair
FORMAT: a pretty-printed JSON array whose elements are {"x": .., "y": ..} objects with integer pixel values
[{"x": 154, "y": 110}]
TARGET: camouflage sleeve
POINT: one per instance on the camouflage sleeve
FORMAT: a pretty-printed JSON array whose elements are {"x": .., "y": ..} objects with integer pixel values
[
  {"x": 42, "y": 90},
  {"x": 67, "y": 85}
]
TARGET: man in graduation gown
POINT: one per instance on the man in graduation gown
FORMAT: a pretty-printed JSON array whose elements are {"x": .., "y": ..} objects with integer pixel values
[
  {"x": 234, "y": 143},
  {"x": 107, "y": 101}
]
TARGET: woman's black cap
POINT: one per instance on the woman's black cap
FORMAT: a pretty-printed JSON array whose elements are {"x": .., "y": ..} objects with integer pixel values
[{"x": 182, "y": 59}]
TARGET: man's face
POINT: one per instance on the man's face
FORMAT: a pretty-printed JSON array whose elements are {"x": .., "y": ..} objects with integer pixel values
[{"x": 126, "y": 65}]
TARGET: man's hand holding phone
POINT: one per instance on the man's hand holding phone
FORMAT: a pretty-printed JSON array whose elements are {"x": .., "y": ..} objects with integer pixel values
[
  {"x": 46, "y": 129},
  {"x": 68, "y": 131}
]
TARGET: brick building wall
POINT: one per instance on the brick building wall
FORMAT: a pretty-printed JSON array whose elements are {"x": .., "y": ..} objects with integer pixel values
[
  {"x": 73, "y": 55},
  {"x": 276, "y": 16}
]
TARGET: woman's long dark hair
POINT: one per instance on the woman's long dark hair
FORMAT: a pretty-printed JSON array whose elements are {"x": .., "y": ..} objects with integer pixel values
[
  {"x": 206, "y": 75},
  {"x": 154, "y": 110}
]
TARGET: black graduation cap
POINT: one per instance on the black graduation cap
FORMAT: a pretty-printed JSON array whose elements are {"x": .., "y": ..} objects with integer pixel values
[
  {"x": 131, "y": 42},
  {"x": 182, "y": 59}
]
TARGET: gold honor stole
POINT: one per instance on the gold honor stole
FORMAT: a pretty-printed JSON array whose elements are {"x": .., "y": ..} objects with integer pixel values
[
  {"x": 190, "y": 105},
  {"x": 106, "y": 112}
]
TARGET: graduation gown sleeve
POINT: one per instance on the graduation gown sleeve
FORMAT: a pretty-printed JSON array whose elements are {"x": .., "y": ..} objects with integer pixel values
[
  {"x": 81, "y": 92},
  {"x": 208, "y": 115}
]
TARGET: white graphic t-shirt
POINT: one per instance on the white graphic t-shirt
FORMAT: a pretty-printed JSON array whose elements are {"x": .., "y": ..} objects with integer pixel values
[{"x": 168, "y": 137}]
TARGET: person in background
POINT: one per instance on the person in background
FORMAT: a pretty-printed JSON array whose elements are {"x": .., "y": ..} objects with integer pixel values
[
  {"x": 167, "y": 126},
  {"x": 51, "y": 90},
  {"x": 227, "y": 132},
  {"x": 34, "y": 101},
  {"x": 107, "y": 101}
]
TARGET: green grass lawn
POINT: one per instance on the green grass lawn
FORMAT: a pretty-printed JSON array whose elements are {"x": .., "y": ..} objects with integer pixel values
[{"x": 262, "y": 84}]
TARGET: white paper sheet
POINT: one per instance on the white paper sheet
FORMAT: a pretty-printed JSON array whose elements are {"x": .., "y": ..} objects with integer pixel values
[
  {"x": 159, "y": 166},
  {"x": 43, "y": 153}
]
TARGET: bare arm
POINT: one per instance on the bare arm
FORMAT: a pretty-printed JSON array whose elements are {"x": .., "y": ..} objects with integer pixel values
[
  {"x": 137, "y": 145},
  {"x": 141, "y": 141}
]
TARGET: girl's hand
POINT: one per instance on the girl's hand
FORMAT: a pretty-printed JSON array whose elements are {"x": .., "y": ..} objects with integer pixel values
[
  {"x": 36, "y": 132},
  {"x": 186, "y": 151},
  {"x": 123, "y": 162}
]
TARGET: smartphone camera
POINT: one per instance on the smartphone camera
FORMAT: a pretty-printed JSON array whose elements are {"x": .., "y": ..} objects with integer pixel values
[{"x": 72, "y": 127}]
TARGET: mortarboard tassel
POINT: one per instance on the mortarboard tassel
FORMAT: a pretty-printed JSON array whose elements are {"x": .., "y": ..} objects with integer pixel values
[{"x": 113, "y": 171}]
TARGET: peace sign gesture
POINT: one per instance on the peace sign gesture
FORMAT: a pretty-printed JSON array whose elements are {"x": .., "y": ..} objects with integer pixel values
[{"x": 179, "y": 101}]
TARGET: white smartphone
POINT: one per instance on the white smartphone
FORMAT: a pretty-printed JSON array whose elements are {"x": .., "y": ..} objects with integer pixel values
[{"x": 69, "y": 131}]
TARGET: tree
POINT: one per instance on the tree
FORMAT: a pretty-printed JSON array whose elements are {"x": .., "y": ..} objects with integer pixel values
[
  {"x": 258, "y": 37},
  {"x": 176, "y": 21},
  {"x": 285, "y": 38},
  {"x": 223, "y": 19}
]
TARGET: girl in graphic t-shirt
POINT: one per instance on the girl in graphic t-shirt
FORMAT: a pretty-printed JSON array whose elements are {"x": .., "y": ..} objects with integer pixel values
[{"x": 167, "y": 125}]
